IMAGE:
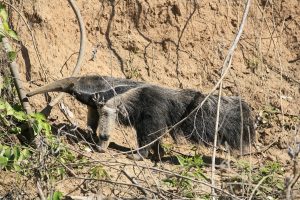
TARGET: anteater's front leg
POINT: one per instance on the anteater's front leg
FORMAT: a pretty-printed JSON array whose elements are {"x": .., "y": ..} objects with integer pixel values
[
  {"x": 92, "y": 119},
  {"x": 148, "y": 129}
]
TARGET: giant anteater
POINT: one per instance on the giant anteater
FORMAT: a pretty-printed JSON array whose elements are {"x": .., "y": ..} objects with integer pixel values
[{"x": 153, "y": 109}]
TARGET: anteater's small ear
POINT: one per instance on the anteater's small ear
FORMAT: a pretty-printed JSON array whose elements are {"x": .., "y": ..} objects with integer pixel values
[{"x": 122, "y": 110}]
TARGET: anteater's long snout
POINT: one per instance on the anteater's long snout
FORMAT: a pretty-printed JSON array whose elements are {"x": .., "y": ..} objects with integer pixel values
[{"x": 63, "y": 85}]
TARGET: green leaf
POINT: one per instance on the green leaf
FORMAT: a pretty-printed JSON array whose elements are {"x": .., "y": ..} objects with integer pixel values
[
  {"x": 40, "y": 123},
  {"x": 39, "y": 116},
  {"x": 99, "y": 172},
  {"x": 16, "y": 153},
  {"x": 57, "y": 195},
  {"x": 17, "y": 167},
  {"x": 1, "y": 146},
  {"x": 36, "y": 127},
  {"x": 9, "y": 109},
  {"x": 198, "y": 161},
  {"x": 4, "y": 120},
  {"x": 170, "y": 182},
  {"x": 61, "y": 171},
  {"x": 12, "y": 55},
  {"x": 181, "y": 160},
  {"x": 46, "y": 127},
  {"x": 67, "y": 156},
  {"x": 13, "y": 34},
  {"x": 3, "y": 161},
  {"x": 20, "y": 115},
  {"x": 25, "y": 154},
  {"x": 2, "y": 105},
  {"x": 7, "y": 152},
  {"x": 280, "y": 185},
  {"x": 15, "y": 130},
  {"x": 5, "y": 26},
  {"x": 3, "y": 13}
]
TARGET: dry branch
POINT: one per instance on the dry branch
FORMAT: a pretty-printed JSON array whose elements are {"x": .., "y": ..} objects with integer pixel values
[
  {"x": 32, "y": 37},
  {"x": 291, "y": 181},
  {"x": 225, "y": 69},
  {"x": 40, "y": 191},
  {"x": 14, "y": 69},
  {"x": 81, "y": 49},
  {"x": 134, "y": 182}
]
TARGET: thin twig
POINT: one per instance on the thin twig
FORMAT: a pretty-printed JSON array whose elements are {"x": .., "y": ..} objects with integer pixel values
[
  {"x": 81, "y": 49},
  {"x": 40, "y": 191},
  {"x": 68, "y": 169},
  {"x": 158, "y": 170},
  {"x": 32, "y": 37},
  {"x": 14, "y": 69},
  {"x": 257, "y": 186},
  {"x": 181, "y": 176},
  {"x": 213, "y": 166},
  {"x": 134, "y": 182},
  {"x": 225, "y": 69},
  {"x": 260, "y": 151},
  {"x": 179, "y": 40},
  {"x": 295, "y": 177},
  {"x": 114, "y": 182}
]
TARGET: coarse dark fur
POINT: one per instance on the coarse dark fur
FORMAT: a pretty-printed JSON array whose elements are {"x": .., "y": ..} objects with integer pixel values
[{"x": 152, "y": 109}]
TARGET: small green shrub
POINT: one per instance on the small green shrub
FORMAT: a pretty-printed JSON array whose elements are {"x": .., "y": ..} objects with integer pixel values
[
  {"x": 189, "y": 167},
  {"x": 57, "y": 195},
  {"x": 13, "y": 157}
]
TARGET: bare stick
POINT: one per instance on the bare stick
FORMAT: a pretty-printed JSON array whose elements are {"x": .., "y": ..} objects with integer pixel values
[
  {"x": 134, "y": 182},
  {"x": 114, "y": 182},
  {"x": 14, "y": 69},
  {"x": 225, "y": 68},
  {"x": 68, "y": 169},
  {"x": 257, "y": 186},
  {"x": 261, "y": 150},
  {"x": 79, "y": 60},
  {"x": 296, "y": 174},
  {"x": 180, "y": 176},
  {"x": 32, "y": 37},
  {"x": 40, "y": 191},
  {"x": 213, "y": 166},
  {"x": 81, "y": 50}
]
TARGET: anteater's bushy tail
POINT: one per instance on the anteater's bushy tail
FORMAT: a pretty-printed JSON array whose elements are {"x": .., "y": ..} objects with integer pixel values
[{"x": 235, "y": 127}]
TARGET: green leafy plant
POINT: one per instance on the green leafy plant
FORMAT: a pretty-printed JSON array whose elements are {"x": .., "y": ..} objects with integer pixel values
[
  {"x": 269, "y": 176},
  {"x": 6, "y": 31},
  {"x": 9, "y": 115},
  {"x": 40, "y": 124},
  {"x": 190, "y": 167},
  {"x": 273, "y": 170},
  {"x": 99, "y": 172},
  {"x": 57, "y": 195},
  {"x": 13, "y": 157},
  {"x": 7, "y": 110},
  {"x": 168, "y": 148}
]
